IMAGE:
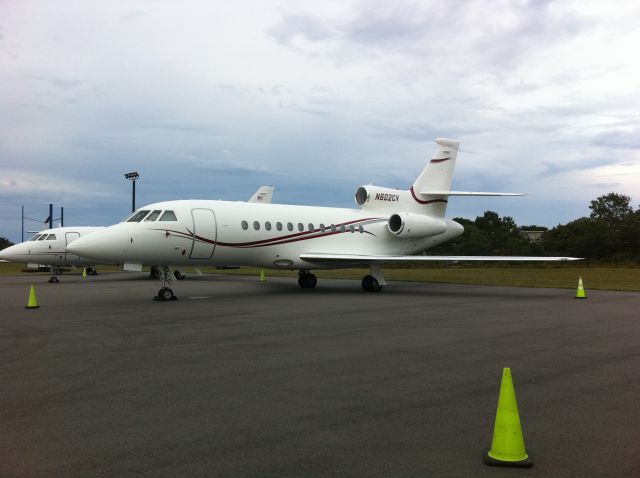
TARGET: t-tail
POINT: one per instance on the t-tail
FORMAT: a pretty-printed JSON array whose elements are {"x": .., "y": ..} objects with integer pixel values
[{"x": 420, "y": 211}]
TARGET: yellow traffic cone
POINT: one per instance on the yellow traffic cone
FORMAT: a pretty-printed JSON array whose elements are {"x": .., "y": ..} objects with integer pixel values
[
  {"x": 33, "y": 302},
  {"x": 84, "y": 272},
  {"x": 580, "y": 294},
  {"x": 507, "y": 447},
  {"x": 262, "y": 276}
]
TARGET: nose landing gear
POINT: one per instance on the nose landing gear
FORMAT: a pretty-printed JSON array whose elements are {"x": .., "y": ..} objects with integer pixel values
[
  {"x": 166, "y": 277},
  {"x": 55, "y": 270}
]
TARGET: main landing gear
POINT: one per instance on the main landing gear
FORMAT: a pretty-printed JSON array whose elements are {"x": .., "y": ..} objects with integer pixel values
[
  {"x": 370, "y": 284},
  {"x": 375, "y": 280},
  {"x": 166, "y": 277},
  {"x": 155, "y": 272},
  {"x": 307, "y": 280}
]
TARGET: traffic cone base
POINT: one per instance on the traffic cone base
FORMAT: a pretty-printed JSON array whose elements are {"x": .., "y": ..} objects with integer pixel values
[
  {"x": 580, "y": 293},
  {"x": 33, "y": 302},
  {"x": 507, "y": 446},
  {"x": 502, "y": 461}
]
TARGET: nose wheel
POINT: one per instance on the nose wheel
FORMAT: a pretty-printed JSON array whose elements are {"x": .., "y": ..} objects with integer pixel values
[
  {"x": 167, "y": 277},
  {"x": 165, "y": 294}
]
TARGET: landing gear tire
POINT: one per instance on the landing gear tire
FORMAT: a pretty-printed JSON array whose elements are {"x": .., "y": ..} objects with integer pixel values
[
  {"x": 54, "y": 279},
  {"x": 370, "y": 284},
  {"x": 307, "y": 281},
  {"x": 165, "y": 294},
  {"x": 92, "y": 271},
  {"x": 178, "y": 275}
]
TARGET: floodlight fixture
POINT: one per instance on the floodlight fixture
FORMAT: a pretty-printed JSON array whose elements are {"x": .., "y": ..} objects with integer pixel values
[{"x": 132, "y": 176}]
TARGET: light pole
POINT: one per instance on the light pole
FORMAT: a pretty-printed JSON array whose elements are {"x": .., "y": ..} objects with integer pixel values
[{"x": 132, "y": 177}]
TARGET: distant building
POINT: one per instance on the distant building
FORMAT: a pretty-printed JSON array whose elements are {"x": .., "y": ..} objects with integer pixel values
[{"x": 533, "y": 236}]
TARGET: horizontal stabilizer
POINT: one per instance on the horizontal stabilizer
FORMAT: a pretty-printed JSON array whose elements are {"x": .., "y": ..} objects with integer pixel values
[
  {"x": 326, "y": 258},
  {"x": 466, "y": 193}
]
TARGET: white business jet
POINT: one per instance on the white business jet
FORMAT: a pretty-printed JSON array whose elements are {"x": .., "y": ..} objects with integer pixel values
[
  {"x": 390, "y": 226},
  {"x": 49, "y": 248},
  {"x": 263, "y": 195}
]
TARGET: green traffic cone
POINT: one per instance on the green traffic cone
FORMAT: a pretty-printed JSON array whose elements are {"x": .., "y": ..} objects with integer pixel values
[{"x": 507, "y": 446}]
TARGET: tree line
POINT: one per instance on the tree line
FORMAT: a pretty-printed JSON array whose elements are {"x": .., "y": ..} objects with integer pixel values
[{"x": 610, "y": 233}]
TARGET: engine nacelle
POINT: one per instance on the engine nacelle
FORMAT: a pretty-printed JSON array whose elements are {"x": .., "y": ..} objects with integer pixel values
[
  {"x": 409, "y": 225},
  {"x": 376, "y": 197}
]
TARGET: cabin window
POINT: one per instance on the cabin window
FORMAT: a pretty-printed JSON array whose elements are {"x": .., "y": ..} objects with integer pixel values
[
  {"x": 322, "y": 228},
  {"x": 153, "y": 216},
  {"x": 333, "y": 228},
  {"x": 290, "y": 226},
  {"x": 245, "y": 225},
  {"x": 139, "y": 216},
  {"x": 360, "y": 229},
  {"x": 352, "y": 229},
  {"x": 51, "y": 237},
  {"x": 256, "y": 225},
  {"x": 168, "y": 216},
  {"x": 311, "y": 228},
  {"x": 300, "y": 227},
  {"x": 279, "y": 226},
  {"x": 35, "y": 238},
  {"x": 267, "y": 226}
]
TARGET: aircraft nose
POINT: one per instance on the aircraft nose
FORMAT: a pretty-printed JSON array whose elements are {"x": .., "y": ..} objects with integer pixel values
[
  {"x": 9, "y": 253},
  {"x": 97, "y": 245}
]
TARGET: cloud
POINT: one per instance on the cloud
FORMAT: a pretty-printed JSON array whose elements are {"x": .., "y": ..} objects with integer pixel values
[
  {"x": 134, "y": 16},
  {"x": 619, "y": 138},
  {"x": 306, "y": 27}
]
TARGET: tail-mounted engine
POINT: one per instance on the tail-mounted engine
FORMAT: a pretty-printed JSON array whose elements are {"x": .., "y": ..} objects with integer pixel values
[
  {"x": 410, "y": 225},
  {"x": 377, "y": 198}
]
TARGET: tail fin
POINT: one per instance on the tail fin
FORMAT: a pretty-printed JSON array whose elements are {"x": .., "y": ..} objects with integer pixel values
[
  {"x": 437, "y": 176},
  {"x": 263, "y": 195}
]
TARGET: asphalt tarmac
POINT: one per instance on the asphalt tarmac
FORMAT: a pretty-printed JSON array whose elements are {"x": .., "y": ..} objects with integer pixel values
[{"x": 243, "y": 378}]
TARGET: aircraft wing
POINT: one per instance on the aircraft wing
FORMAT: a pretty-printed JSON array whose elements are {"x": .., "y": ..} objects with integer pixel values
[{"x": 330, "y": 258}]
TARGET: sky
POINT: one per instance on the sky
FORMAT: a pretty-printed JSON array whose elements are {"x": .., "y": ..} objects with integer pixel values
[{"x": 211, "y": 99}]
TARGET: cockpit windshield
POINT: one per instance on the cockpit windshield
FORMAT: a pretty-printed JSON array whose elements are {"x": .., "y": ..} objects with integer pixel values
[
  {"x": 153, "y": 216},
  {"x": 138, "y": 216},
  {"x": 168, "y": 216},
  {"x": 36, "y": 237}
]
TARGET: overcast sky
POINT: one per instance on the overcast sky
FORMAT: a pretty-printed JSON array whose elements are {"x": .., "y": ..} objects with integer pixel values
[{"x": 212, "y": 99}]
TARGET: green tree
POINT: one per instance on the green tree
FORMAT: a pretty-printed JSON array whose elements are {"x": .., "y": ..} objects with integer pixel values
[
  {"x": 4, "y": 243},
  {"x": 611, "y": 208}
]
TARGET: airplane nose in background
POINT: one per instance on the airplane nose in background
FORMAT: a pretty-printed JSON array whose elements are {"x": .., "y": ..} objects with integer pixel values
[{"x": 8, "y": 253}]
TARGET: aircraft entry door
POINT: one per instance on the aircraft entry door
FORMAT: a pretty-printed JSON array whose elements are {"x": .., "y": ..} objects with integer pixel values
[
  {"x": 204, "y": 233},
  {"x": 70, "y": 237}
]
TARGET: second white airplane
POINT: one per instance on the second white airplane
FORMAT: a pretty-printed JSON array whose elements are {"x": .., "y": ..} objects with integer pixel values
[{"x": 390, "y": 226}]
